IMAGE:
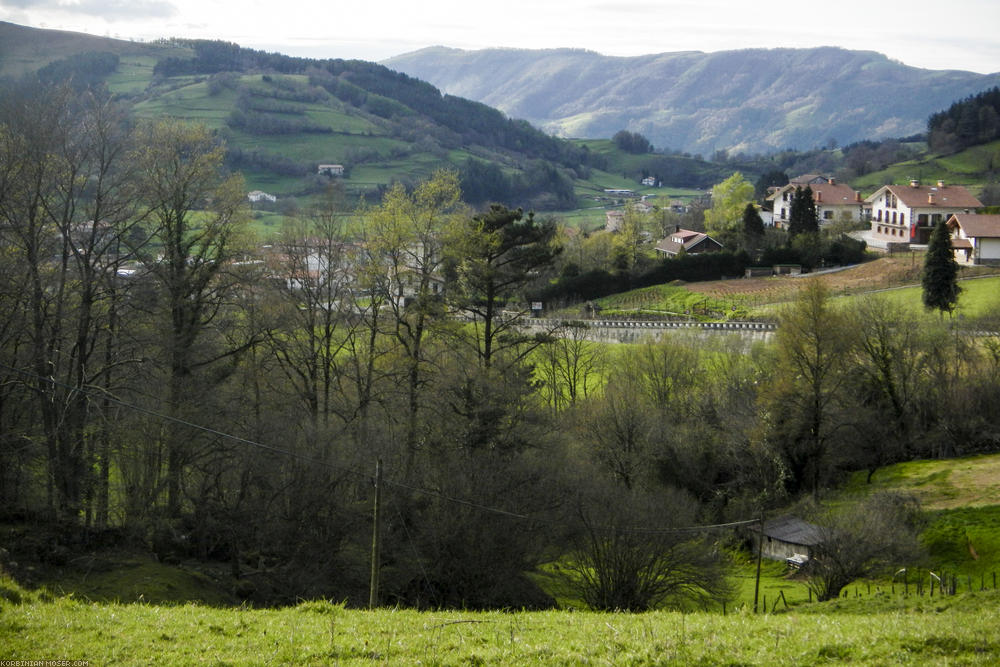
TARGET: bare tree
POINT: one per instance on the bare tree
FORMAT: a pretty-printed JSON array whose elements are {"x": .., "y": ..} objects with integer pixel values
[
  {"x": 571, "y": 366},
  {"x": 198, "y": 217},
  {"x": 634, "y": 553},
  {"x": 863, "y": 540}
]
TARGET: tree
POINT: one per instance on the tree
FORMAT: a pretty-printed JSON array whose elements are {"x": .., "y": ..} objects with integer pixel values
[
  {"x": 632, "y": 554},
  {"x": 729, "y": 199},
  {"x": 631, "y": 142},
  {"x": 493, "y": 256},
  {"x": 312, "y": 302},
  {"x": 887, "y": 371},
  {"x": 63, "y": 213},
  {"x": 753, "y": 226},
  {"x": 940, "y": 277},
  {"x": 863, "y": 540},
  {"x": 570, "y": 366},
  {"x": 812, "y": 343},
  {"x": 628, "y": 239},
  {"x": 802, "y": 218},
  {"x": 404, "y": 272},
  {"x": 198, "y": 216},
  {"x": 620, "y": 428},
  {"x": 773, "y": 178}
]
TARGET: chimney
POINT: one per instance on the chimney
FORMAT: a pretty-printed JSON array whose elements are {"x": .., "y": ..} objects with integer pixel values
[
  {"x": 940, "y": 183},
  {"x": 857, "y": 196},
  {"x": 819, "y": 196},
  {"x": 930, "y": 198},
  {"x": 914, "y": 183},
  {"x": 833, "y": 181}
]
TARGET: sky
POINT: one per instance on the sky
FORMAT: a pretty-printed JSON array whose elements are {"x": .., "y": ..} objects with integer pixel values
[{"x": 956, "y": 34}]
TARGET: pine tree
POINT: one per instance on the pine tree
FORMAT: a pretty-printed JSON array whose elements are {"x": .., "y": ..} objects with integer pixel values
[
  {"x": 802, "y": 217},
  {"x": 753, "y": 224},
  {"x": 940, "y": 278}
]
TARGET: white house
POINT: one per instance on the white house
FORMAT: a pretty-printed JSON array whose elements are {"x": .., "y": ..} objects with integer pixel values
[
  {"x": 907, "y": 214},
  {"x": 834, "y": 202},
  {"x": 975, "y": 238}
]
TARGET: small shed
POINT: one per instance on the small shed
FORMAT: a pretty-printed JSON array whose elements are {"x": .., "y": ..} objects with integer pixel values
[{"x": 786, "y": 537}]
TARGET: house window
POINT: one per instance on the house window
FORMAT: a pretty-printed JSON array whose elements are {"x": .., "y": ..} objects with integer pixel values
[
  {"x": 936, "y": 218},
  {"x": 893, "y": 217},
  {"x": 879, "y": 217},
  {"x": 902, "y": 218},
  {"x": 922, "y": 219},
  {"x": 828, "y": 215},
  {"x": 782, "y": 214}
]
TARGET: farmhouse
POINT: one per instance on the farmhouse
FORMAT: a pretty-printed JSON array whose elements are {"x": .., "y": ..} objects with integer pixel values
[
  {"x": 788, "y": 537},
  {"x": 907, "y": 214},
  {"x": 687, "y": 241},
  {"x": 613, "y": 220},
  {"x": 834, "y": 202},
  {"x": 975, "y": 239}
]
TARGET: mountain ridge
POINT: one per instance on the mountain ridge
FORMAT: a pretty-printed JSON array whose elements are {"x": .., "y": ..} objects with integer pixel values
[{"x": 754, "y": 100}]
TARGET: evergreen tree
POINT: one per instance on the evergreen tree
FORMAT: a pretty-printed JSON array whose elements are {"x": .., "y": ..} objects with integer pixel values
[
  {"x": 940, "y": 278},
  {"x": 802, "y": 217},
  {"x": 775, "y": 177},
  {"x": 753, "y": 224}
]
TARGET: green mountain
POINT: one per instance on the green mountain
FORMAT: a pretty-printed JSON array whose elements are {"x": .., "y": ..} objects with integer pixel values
[
  {"x": 755, "y": 100},
  {"x": 282, "y": 117}
]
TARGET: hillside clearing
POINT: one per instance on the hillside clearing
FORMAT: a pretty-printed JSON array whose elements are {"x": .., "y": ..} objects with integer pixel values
[{"x": 938, "y": 485}]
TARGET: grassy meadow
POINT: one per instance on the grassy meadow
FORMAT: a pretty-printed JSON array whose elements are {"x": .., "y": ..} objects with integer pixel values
[{"x": 957, "y": 630}]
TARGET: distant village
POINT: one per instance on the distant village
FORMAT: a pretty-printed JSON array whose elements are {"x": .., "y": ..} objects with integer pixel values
[{"x": 900, "y": 216}]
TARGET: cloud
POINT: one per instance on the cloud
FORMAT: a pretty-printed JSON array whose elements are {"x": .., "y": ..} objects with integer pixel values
[{"x": 109, "y": 10}]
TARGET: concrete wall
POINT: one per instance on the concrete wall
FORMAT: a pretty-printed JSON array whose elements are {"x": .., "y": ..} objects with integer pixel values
[{"x": 634, "y": 331}]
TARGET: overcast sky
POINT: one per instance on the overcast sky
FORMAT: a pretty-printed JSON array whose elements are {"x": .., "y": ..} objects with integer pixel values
[{"x": 952, "y": 34}]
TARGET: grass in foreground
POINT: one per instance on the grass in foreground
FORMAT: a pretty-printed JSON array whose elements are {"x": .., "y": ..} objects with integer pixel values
[{"x": 956, "y": 631}]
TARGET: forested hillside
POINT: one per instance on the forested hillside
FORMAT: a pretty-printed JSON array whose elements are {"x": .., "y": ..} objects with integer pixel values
[
  {"x": 755, "y": 100},
  {"x": 969, "y": 122}
]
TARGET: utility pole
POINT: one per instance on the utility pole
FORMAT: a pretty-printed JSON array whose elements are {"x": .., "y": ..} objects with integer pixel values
[
  {"x": 376, "y": 536},
  {"x": 760, "y": 549}
]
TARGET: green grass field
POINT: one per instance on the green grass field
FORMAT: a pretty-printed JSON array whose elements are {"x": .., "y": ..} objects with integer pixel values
[{"x": 953, "y": 631}]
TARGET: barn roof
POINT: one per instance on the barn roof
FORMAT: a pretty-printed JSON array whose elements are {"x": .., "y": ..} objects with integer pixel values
[{"x": 793, "y": 530}]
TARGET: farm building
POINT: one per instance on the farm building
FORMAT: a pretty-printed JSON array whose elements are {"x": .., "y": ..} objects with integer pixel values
[{"x": 786, "y": 537}]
